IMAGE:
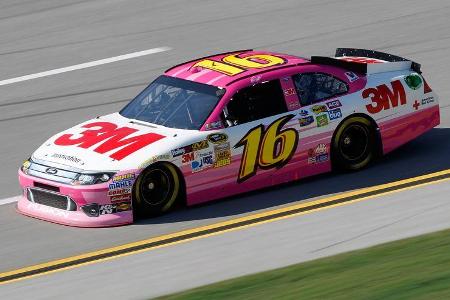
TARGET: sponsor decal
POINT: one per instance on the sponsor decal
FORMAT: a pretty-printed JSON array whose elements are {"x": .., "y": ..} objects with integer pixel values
[
  {"x": 202, "y": 163},
  {"x": 199, "y": 145},
  {"x": 306, "y": 121},
  {"x": 120, "y": 198},
  {"x": 351, "y": 76},
  {"x": 190, "y": 148},
  {"x": 335, "y": 114},
  {"x": 303, "y": 113},
  {"x": 289, "y": 92},
  {"x": 360, "y": 59},
  {"x": 67, "y": 157},
  {"x": 121, "y": 184},
  {"x": 217, "y": 138},
  {"x": 121, "y": 191},
  {"x": 333, "y": 104},
  {"x": 181, "y": 151},
  {"x": 188, "y": 157},
  {"x": 154, "y": 159},
  {"x": 322, "y": 120},
  {"x": 414, "y": 81},
  {"x": 318, "y": 154},
  {"x": 427, "y": 100},
  {"x": 128, "y": 176},
  {"x": 267, "y": 147},
  {"x": 321, "y": 158},
  {"x": 321, "y": 149},
  {"x": 222, "y": 154},
  {"x": 214, "y": 125},
  {"x": 106, "y": 137},
  {"x": 106, "y": 209},
  {"x": 317, "y": 109},
  {"x": 383, "y": 97},
  {"x": 416, "y": 104}
]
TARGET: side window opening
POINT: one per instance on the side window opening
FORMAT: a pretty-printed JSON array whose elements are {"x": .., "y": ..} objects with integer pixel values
[
  {"x": 315, "y": 87},
  {"x": 255, "y": 102}
]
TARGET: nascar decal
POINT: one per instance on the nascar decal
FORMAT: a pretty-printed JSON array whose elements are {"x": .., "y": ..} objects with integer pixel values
[
  {"x": 217, "y": 138},
  {"x": 384, "y": 97},
  {"x": 268, "y": 148},
  {"x": 233, "y": 64},
  {"x": 110, "y": 138}
]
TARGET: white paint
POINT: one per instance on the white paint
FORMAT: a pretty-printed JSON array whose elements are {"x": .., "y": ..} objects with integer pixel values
[
  {"x": 84, "y": 65},
  {"x": 9, "y": 200}
]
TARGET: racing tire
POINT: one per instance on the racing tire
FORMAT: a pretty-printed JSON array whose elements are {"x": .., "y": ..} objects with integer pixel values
[
  {"x": 354, "y": 144},
  {"x": 156, "y": 191}
]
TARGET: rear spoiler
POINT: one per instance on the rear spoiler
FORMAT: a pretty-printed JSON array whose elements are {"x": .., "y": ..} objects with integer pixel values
[{"x": 395, "y": 63}]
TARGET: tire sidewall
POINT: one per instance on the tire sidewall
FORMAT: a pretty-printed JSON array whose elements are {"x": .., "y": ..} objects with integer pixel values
[
  {"x": 338, "y": 160},
  {"x": 144, "y": 209}
]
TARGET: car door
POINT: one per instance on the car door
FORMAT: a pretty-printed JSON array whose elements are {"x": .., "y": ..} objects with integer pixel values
[{"x": 261, "y": 137}]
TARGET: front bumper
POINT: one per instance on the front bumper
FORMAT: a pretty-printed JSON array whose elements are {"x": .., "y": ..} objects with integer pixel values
[{"x": 81, "y": 195}]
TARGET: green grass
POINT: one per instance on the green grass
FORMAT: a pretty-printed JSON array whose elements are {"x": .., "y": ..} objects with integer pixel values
[{"x": 415, "y": 268}]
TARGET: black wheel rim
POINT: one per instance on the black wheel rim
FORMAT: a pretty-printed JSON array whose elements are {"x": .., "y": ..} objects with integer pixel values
[
  {"x": 354, "y": 143},
  {"x": 155, "y": 187}
]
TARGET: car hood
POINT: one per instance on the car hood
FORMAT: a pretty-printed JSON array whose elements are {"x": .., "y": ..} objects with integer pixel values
[{"x": 112, "y": 143}]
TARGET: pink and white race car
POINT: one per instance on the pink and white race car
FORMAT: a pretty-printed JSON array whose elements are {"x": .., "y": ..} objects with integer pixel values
[{"x": 226, "y": 124}]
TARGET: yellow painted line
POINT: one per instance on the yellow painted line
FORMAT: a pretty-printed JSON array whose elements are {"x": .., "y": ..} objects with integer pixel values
[{"x": 221, "y": 227}]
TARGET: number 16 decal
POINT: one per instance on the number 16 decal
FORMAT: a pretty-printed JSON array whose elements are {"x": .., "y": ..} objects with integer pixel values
[{"x": 266, "y": 149}]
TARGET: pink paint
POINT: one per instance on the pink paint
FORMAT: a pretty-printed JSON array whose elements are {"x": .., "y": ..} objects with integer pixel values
[
  {"x": 81, "y": 195},
  {"x": 221, "y": 182},
  {"x": 399, "y": 131}
]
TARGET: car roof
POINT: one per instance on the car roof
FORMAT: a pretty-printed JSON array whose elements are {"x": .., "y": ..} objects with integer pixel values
[{"x": 189, "y": 71}]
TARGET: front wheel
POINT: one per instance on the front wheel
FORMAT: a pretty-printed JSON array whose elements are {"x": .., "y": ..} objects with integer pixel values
[
  {"x": 156, "y": 191},
  {"x": 354, "y": 144}
]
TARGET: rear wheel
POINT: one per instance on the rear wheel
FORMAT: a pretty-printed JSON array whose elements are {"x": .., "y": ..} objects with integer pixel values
[
  {"x": 354, "y": 144},
  {"x": 156, "y": 191}
]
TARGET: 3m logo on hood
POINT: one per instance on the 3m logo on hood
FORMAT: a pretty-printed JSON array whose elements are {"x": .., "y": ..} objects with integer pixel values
[{"x": 110, "y": 138}]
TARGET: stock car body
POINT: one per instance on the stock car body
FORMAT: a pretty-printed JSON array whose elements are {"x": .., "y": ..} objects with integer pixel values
[{"x": 227, "y": 124}]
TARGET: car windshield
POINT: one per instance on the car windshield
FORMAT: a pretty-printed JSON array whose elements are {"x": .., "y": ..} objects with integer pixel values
[{"x": 174, "y": 102}]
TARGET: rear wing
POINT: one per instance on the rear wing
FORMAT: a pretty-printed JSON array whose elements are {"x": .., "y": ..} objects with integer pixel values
[{"x": 357, "y": 60}]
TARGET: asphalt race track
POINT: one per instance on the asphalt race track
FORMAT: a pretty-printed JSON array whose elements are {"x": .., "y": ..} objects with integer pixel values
[{"x": 47, "y": 35}]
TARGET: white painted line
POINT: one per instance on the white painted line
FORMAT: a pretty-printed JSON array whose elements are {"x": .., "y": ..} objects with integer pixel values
[
  {"x": 9, "y": 200},
  {"x": 84, "y": 65}
]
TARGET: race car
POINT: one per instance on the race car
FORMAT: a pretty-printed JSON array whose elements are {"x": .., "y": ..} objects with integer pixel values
[{"x": 226, "y": 124}]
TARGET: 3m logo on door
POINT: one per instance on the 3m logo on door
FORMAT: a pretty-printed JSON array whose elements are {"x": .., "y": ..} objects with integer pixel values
[{"x": 105, "y": 137}]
